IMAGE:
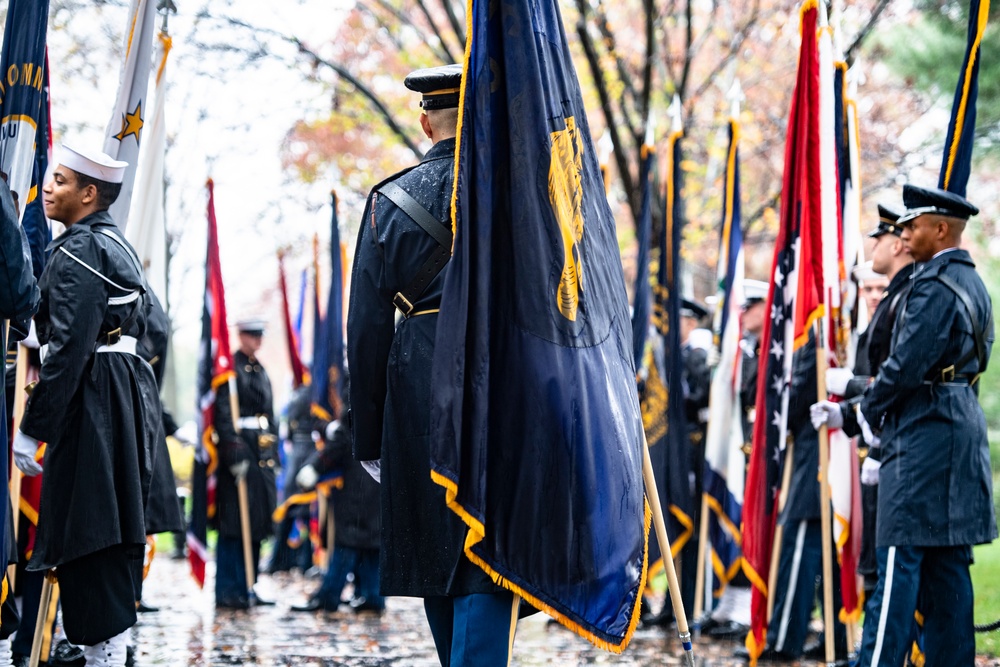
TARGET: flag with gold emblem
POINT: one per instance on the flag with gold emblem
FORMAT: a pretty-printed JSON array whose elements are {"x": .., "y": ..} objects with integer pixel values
[
  {"x": 126, "y": 128},
  {"x": 536, "y": 432}
]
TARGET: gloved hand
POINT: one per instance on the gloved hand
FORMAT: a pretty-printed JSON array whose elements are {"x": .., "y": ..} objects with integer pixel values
[
  {"x": 307, "y": 477},
  {"x": 866, "y": 431},
  {"x": 239, "y": 470},
  {"x": 826, "y": 412},
  {"x": 331, "y": 428},
  {"x": 837, "y": 379},
  {"x": 25, "y": 448},
  {"x": 712, "y": 357},
  {"x": 869, "y": 472},
  {"x": 373, "y": 468}
]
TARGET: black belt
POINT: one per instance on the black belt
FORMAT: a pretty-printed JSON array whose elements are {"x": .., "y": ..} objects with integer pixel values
[
  {"x": 948, "y": 376},
  {"x": 111, "y": 337}
]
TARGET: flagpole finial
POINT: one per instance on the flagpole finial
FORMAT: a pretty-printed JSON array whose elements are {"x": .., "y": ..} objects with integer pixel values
[
  {"x": 166, "y": 6},
  {"x": 676, "y": 124},
  {"x": 735, "y": 97}
]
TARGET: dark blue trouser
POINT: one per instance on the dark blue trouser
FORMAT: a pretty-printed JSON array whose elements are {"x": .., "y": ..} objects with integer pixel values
[
  {"x": 940, "y": 575},
  {"x": 344, "y": 560},
  {"x": 473, "y": 630},
  {"x": 230, "y": 575},
  {"x": 800, "y": 578}
]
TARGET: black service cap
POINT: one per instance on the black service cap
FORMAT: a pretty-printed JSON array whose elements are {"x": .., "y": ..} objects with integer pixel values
[
  {"x": 439, "y": 85},
  {"x": 888, "y": 222},
  {"x": 921, "y": 201}
]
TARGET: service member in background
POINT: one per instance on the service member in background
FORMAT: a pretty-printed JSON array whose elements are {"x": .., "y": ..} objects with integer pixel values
[
  {"x": 936, "y": 492},
  {"x": 390, "y": 345},
  {"x": 96, "y": 406},
  {"x": 251, "y": 454}
]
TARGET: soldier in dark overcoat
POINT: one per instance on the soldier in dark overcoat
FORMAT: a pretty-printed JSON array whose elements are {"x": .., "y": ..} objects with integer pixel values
[
  {"x": 95, "y": 406},
  {"x": 936, "y": 492},
  {"x": 249, "y": 453},
  {"x": 390, "y": 343}
]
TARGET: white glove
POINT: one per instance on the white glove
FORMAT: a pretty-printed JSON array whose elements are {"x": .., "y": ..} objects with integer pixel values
[
  {"x": 712, "y": 357},
  {"x": 25, "y": 448},
  {"x": 373, "y": 468},
  {"x": 826, "y": 412},
  {"x": 239, "y": 470},
  {"x": 866, "y": 431},
  {"x": 869, "y": 472},
  {"x": 331, "y": 428},
  {"x": 837, "y": 379},
  {"x": 32, "y": 338},
  {"x": 307, "y": 477},
  {"x": 283, "y": 430}
]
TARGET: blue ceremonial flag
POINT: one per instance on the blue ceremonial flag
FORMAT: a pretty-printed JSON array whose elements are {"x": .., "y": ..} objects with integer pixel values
[
  {"x": 534, "y": 415},
  {"x": 957, "y": 161},
  {"x": 22, "y": 62},
  {"x": 663, "y": 395},
  {"x": 642, "y": 301},
  {"x": 328, "y": 345},
  {"x": 35, "y": 224},
  {"x": 724, "y": 459}
]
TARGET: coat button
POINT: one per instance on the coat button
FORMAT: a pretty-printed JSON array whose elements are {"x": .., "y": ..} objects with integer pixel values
[{"x": 261, "y": 463}]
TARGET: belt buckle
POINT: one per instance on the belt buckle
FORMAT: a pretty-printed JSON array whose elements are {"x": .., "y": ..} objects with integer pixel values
[
  {"x": 948, "y": 374},
  {"x": 113, "y": 336},
  {"x": 402, "y": 304}
]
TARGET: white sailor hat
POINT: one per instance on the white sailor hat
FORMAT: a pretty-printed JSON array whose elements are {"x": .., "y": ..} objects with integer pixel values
[
  {"x": 864, "y": 273},
  {"x": 252, "y": 325},
  {"x": 754, "y": 291},
  {"x": 93, "y": 163}
]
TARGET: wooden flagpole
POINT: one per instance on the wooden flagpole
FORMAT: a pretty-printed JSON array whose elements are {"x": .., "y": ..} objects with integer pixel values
[
  {"x": 243, "y": 497},
  {"x": 824, "y": 496}
]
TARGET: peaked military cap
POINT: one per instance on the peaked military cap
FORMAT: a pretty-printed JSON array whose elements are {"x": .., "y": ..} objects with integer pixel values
[
  {"x": 439, "y": 85},
  {"x": 754, "y": 291},
  {"x": 691, "y": 308},
  {"x": 254, "y": 326},
  {"x": 922, "y": 201},
  {"x": 864, "y": 272},
  {"x": 888, "y": 222}
]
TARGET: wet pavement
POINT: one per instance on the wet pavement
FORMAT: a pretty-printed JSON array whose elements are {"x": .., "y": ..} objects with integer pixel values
[{"x": 187, "y": 630}]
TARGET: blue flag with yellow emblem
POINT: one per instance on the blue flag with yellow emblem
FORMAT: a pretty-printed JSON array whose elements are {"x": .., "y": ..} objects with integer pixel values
[
  {"x": 22, "y": 62},
  {"x": 536, "y": 431}
]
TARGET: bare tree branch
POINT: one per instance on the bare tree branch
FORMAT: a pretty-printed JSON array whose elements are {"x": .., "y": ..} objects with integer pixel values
[
  {"x": 864, "y": 32},
  {"x": 734, "y": 49},
  {"x": 450, "y": 58},
  {"x": 593, "y": 62},
  {"x": 391, "y": 34},
  {"x": 456, "y": 25}
]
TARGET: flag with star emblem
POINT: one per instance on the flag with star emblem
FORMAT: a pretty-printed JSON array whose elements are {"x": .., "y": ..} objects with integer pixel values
[
  {"x": 147, "y": 232},
  {"x": 535, "y": 423},
  {"x": 790, "y": 311},
  {"x": 22, "y": 61},
  {"x": 956, "y": 164},
  {"x": 125, "y": 129},
  {"x": 215, "y": 368}
]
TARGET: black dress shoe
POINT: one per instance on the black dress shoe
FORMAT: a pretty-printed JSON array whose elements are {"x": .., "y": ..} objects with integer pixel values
[
  {"x": 816, "y": 650},
  {"x": 728, "y": 630},
  {"x": 362, "y": 605},
  {"x": 129, "y": 656},
  {"x": 232, "y": 603},
  {"x": 64, "y": 653},
  {"x": 312, "y": 604},
  {"x": 262, "y": 602},
  {"x": 144, "y": 608}
]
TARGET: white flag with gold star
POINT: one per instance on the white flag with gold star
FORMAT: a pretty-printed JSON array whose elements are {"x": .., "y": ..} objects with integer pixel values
[{"x": 124, "y": 133}]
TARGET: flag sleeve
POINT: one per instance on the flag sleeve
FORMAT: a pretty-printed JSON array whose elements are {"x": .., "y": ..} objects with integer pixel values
[{"x": 370, "y": 326}]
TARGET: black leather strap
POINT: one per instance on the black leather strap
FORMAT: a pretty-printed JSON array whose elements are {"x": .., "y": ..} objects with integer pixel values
[
  {"x": 406, "y": 299},
  {"x": 417, "y": 213},
  {"x": 977, "y": 332}
]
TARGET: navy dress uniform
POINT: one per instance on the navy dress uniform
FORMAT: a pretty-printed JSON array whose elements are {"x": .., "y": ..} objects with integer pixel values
[
  {"x": 404, "y": 240},
  {"x": 96, "y": 406},
  {"x": 252, "y": 451},
  {"x": 936, "y": 495}
]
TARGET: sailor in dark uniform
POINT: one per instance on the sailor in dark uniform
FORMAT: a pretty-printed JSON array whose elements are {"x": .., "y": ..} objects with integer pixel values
[
  {"x": 405, "y": 240},
  {"x": 96, "y": 406},
  {"x": 935, "y": 483},
  {"x": 252, "y": 454}
]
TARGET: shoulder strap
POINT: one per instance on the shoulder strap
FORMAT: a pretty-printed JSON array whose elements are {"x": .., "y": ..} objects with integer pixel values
[
  {"x": 977, "y": 332},
  {"x": 129, "y": 252},
  {"x": 406, "y": 298},
  {"x": 417, "y": 213}
]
